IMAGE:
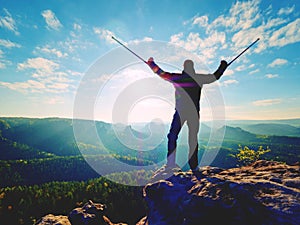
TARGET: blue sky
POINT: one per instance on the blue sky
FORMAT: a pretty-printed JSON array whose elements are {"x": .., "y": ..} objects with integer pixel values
[{"x": 46, "y": 47}]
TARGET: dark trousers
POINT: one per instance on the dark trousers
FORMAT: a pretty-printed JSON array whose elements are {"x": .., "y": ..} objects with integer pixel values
[{"x": 179, "y": 119}]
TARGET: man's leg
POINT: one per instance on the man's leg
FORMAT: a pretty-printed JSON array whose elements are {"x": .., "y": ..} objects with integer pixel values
[
  {"x": 193, "y": 127},
  {"x": 176, "y": 126}
]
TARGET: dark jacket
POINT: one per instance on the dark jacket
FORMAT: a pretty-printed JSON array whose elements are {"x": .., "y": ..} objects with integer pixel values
[{"x": 187, "y": 86}]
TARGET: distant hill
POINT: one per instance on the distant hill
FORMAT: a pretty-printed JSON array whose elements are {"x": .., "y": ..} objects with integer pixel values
[
  {"x": 273, "y": 129},
  {"x": 55, "y": 136},
  {"x": 285, "y": 127},
  {"x": 11, "y": 150},
  {"x": 293, "y": 122},
  {"x": 238, "y": 134}
]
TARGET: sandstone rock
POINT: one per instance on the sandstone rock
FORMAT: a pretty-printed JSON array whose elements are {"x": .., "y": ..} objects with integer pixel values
[
  {"x": 108, "y": 222},
  {"x": 264, "y": 193},
  {"x": 91, "y": 213},
  {"x": 53, "y": 220},
  {"x": 143, "y": 221}
]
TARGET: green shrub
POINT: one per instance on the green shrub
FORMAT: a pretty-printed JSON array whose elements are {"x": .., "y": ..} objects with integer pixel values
[{"x": 246, "y": 156}]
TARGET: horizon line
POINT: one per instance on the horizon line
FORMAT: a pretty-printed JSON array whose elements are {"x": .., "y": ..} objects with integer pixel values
[{"x": 137, "y": 122}]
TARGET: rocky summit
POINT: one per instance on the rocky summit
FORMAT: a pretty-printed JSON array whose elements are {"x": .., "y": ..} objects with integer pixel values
[{"x": 264, "y": 193}]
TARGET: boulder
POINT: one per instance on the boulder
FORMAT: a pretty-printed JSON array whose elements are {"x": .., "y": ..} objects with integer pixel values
[
  {"x": 51, "y": 219},
  {"x": 90, "y": 213},
  {"x": 264, "y": 193}
]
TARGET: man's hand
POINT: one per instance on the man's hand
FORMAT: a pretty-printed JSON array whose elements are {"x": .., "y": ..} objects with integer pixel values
[
  {"x": 223, "y": 65},
  {"x": 150, "y": 60},
  {"x": 219, "y": 72}
]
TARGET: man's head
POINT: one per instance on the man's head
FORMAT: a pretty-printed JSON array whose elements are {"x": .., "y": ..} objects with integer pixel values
[{"x": 188, "y": 67}]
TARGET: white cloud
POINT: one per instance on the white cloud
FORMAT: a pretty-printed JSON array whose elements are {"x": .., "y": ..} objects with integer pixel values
[
  {"x": 242, "y": 19},
  {"x": 145, "y": 39},
  {"x": 242, "y": 15},
  {"x": 8, "y": 22},
  {"x": 38, "y": 86},
  {"x": 176, "y": 38},
  {"x": 245, "y": 14},
  {"x": 241, "y": 68},
  {"x": 267, "y": 102},
  {"x": 288, "y": 34},
  {"x": 26, "y": 86},
  {"x": 44, "y": 66},
  {"x": 270, "y": 76},
  {"x": 58, "y": 87},
  {"x": 254, "y": 71},
  {"x": 3, "y": 61},
  {"x": 74, "y": 73},
  {"x": 76, "y": 32},
  {"x": 53, "y": 51},
  {"x": 193, "y": 42},
  {"x": 51, "y": 20},
  {"x": 214, "y": 38},
  {"x": 228, "y": 72},
  {"x": 77, "y": 26},
  {"x": 201, "y": 21},
  {"x": 229, "y": 82},
  {"x": 278, "y": 62},
  {"x": 251, "y": 66},
  {"x": 45, "y": 77},
  {"x": 248, "y": 22},
  {"x": 2, "y": 65},
  {"x": 104, "y": 34},
  {"x": 286, "y": 11},
  {"x": 205, "y": 48},
  {"x": 222, "y": 21},
  {"x": 245, "y": 37},
  {"x": 272, "y": 23},
  {"x": 9, "y": 44},
  {"x": 244, "y": 67},
  {"x": 55, "y": 100},
  {"x": 269, "y": 34}
]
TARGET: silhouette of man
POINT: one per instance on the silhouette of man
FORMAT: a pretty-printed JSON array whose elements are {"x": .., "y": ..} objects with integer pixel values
[{"x": 188, "y": 86}]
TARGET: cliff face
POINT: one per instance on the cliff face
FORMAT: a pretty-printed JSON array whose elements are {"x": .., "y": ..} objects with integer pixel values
[{"x": 264, "y": 193}]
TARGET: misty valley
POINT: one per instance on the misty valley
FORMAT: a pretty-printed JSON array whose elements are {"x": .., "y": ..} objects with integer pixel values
[{"x": 46, "y": 168}]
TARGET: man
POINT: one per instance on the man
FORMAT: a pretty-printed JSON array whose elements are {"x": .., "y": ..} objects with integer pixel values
[{"x": 188, "y": 86}]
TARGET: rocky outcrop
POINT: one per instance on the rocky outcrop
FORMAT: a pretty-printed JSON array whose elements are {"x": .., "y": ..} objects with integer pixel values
[
  {"x": 51, "y": 219},
  {"x": 89, "y": 214},
  {"x": 264, "y": 193}
]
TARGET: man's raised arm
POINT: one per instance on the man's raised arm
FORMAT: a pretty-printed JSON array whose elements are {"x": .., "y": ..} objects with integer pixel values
[
  {"x": 209, "y": 78},
  {"x": 156, "y": 69}
]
